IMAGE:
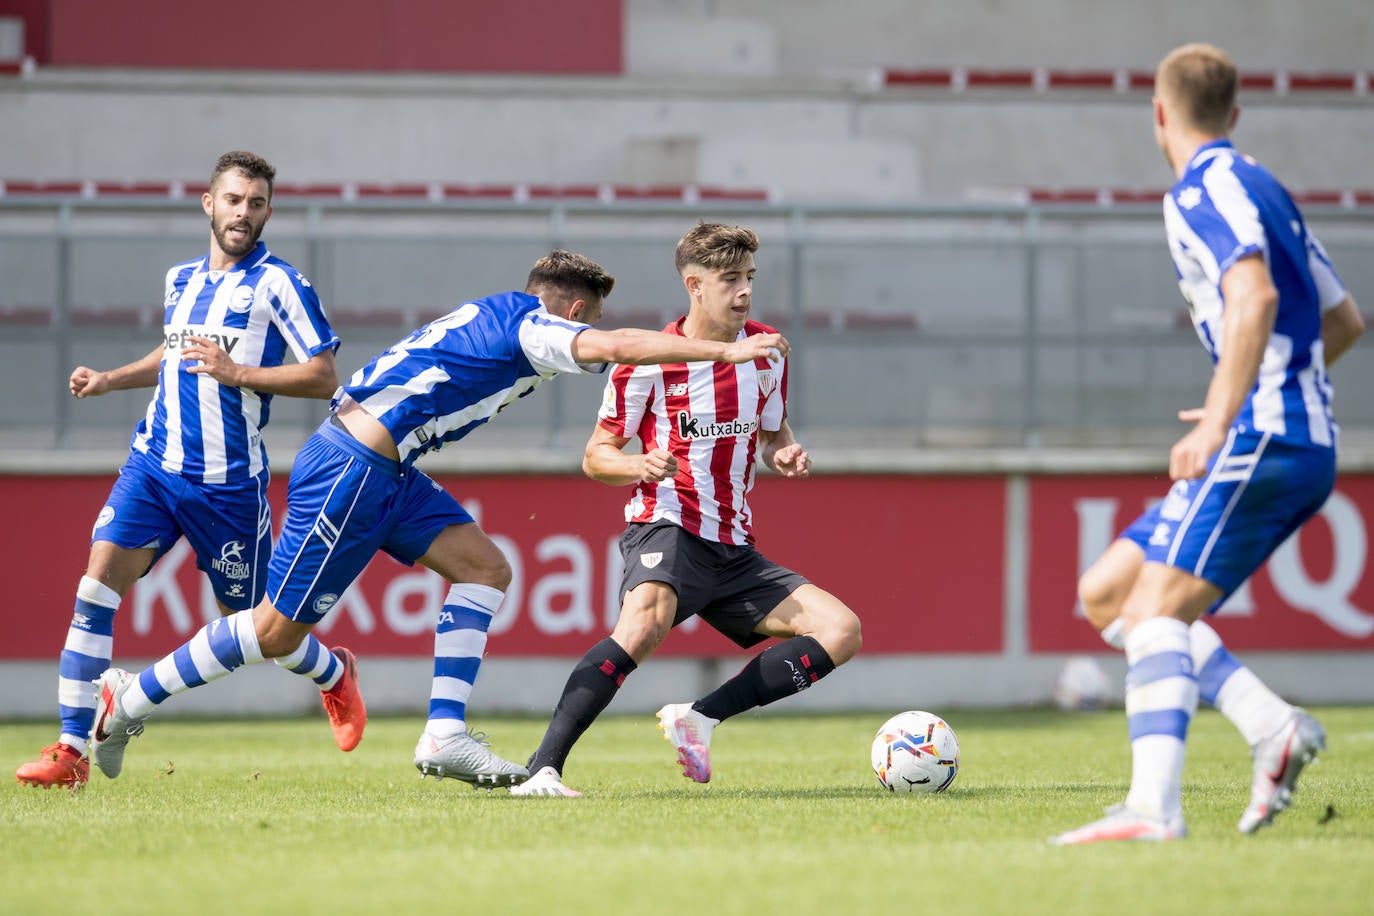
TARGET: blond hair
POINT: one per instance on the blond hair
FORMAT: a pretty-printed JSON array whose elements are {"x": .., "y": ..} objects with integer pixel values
[{"x": 1198, "y": 82}]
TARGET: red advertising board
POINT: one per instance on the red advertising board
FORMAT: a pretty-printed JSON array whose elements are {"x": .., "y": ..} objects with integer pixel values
[
  {"x": 533, "y": 36},
  {"x": 1316, "y": 592},
  {"x": 920, "y": 559}
]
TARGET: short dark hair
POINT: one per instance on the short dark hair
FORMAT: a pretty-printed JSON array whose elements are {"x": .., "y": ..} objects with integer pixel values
[
  {"x": 1199, "y": 82},
  {"x": 715, "y": 246},
  {"x": 249, "y": 164},
  {"x": 569, "y": 273}
]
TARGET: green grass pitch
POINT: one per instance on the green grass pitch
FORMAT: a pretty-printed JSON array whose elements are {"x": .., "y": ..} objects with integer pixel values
[{"x": 251, "y": 817}]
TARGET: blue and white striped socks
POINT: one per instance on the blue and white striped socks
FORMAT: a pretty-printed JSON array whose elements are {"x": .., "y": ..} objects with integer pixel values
[
  {"x": 1234, "y": 689},
  {"x": 311, "y": 659},
  {"x": 460, "y": 639},
  {"x": 85, "y": 656},
  {"x": 1161, "y": 698},
  {"x": 216, "y": 650}
]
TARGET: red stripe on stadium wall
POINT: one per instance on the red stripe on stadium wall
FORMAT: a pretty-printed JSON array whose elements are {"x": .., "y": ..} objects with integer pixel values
[
  {"x": 1322, "y": 82},
  {"x": 394, "y": 190},
  {"x": 1118, "y": 80},
  {"x": 1263, "y": 81},
  {"x": 939, "y": 79},
  {"x": 40, "y": 188},
  {"x": 999, "y": 78},
  {"x": 319, "y": 189},
  {"x": 1107, "y": 197},
  {"x": 1081, "y": 79},
  {"x": 407, "y": 191},
  {"x": 534, "y": 36}
]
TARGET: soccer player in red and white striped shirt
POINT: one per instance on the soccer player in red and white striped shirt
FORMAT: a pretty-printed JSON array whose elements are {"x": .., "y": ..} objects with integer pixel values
[{"x": 689, "y": 548}]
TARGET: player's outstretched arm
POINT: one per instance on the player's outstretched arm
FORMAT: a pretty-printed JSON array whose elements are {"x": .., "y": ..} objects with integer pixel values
[
  {"x": 86, "y": 382},
  {"x": 317, "y": 377},
  {"x": 637, "y": 347},
  {"x": 605, "y": 460},
  {"x": 1341, "y": 327}
]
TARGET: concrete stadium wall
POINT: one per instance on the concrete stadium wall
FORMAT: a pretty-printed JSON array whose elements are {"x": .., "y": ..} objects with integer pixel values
[
  {"x": 809, "y": 36},
  {"x": 798, "y": 141},
  {"x": 764, "y": 94}
]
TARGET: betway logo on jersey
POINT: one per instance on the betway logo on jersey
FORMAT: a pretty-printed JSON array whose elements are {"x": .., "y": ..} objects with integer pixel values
[
  {"x": 689, "y": 427},
  {"x": 228, "y": 339}
]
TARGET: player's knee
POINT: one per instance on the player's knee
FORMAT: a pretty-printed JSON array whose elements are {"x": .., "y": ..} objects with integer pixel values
[
  {"x": 276, "y": 639},
  {"x": 841, "y": 635},
  {"x": 1101, "y": 598},
  {"x": 640, "y": 631},
  {"x": 491, "y": 569},
  {"x": 501, "y": 574}
]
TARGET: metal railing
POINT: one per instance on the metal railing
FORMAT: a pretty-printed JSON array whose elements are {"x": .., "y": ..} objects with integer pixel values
[{"x": 1013, "y": 325}]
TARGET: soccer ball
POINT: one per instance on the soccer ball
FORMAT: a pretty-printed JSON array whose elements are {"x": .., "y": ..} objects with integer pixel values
[
  {"x": 1082, "y": 685},
  {"x": 915, "y": 752}
]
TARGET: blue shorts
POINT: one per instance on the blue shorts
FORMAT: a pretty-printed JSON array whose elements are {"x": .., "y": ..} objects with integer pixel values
[
  {"x": 1257, "y": 492},
  {"x": 343, "y": 504},
  {"x": 229, "y": 526}
]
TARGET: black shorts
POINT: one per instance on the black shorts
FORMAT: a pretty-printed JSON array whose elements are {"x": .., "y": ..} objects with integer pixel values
[{"x": 730, "y": 587}]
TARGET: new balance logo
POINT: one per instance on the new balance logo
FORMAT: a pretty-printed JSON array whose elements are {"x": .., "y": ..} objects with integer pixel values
[{"x": 676, "y": 389}]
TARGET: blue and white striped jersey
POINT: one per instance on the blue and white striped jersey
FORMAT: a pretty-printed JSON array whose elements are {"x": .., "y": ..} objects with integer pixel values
[
  {"x": 196, "y": 427},
  {"x": 459, "y": 371},
  {"x": 1227, "y": 206}
]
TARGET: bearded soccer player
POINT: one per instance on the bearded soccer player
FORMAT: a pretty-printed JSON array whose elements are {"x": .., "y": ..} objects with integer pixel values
[
  {"x": 197, "y": 467},
  {"x": 689, "y": 549}
]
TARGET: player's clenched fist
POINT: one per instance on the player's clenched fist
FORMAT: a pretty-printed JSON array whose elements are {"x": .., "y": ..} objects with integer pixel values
[
  {"x": 86, "y": 382},
  {"x": 658, "y": 465}
]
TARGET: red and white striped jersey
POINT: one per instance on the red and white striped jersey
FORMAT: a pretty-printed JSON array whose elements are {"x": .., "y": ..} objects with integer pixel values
[{"x": 708, "y": 416}]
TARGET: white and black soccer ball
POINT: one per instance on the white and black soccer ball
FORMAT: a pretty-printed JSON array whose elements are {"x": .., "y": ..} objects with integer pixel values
[
  {"x": 1082, "y": 685},
  {"x": 916, "y": 751}
]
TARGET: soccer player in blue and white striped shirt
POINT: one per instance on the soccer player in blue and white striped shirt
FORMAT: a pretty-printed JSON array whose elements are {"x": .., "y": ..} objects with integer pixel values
[
  {"x": 355, "y": 490},
  {"x": 1272, "y": 313},
  {"x": 197, "y": 467}
]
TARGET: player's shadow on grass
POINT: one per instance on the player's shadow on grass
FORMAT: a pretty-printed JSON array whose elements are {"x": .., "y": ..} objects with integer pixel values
[
  {"x": 982, "y": 793},
  {"x": 717, "y": 793}
]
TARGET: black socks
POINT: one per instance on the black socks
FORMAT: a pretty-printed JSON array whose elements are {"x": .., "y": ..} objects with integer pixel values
[
  {"x": 779, "y": 671},
  {"x": 590, "y": 688}
]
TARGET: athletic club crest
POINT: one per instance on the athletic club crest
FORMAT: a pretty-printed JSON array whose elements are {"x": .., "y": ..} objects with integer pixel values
[
  {"x": 650, "y": 560},
  {"x": 766, "y": 382}
]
